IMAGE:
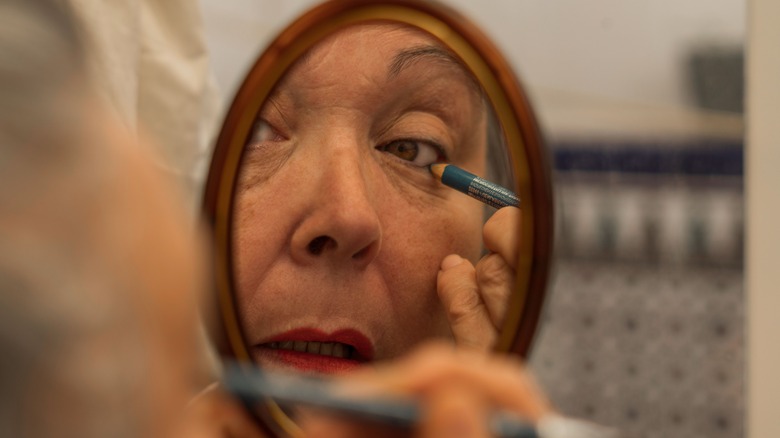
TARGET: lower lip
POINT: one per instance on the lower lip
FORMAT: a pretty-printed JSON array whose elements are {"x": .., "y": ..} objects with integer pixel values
[{"x": 305, "y": 362}]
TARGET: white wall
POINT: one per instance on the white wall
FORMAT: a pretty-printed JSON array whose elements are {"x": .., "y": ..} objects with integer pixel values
[
  {"x": 763, "y": 211},
  {"x": 238, "y": 30},
  {"x": 627, "y": 50},
  {"x": 595, "y": 67},
  {"x": 619, "y": 49}
]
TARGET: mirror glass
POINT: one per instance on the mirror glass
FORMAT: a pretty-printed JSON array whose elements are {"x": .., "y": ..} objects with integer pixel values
[
  {"x": 332, "y": 231},
  {"x": 345, "y": 266}
]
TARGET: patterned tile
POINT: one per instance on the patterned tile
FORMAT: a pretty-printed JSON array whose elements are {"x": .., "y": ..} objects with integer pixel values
[{"x": 643, "y": 328}]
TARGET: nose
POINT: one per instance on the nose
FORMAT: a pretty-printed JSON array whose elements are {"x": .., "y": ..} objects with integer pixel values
[{"x": 341, "y": 224}]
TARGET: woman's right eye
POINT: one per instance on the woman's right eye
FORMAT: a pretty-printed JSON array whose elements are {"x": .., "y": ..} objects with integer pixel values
[{"x": 263, "y": 132}]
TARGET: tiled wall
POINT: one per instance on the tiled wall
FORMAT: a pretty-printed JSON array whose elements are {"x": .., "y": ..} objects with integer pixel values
[{"x": 643, "y": 327}]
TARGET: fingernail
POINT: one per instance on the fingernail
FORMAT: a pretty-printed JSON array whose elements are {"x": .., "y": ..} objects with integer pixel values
[{"x": 451, "y": 261}]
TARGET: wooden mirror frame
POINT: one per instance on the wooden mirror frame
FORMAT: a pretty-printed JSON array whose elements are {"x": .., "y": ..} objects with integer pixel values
[{"x": 527, "y": 152}]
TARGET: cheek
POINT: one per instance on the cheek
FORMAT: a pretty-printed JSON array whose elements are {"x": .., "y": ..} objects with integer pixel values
[
  {"x": 256, "y": 240},
  {"x": 431, "y": 220},
  {"x": 421, "y": 225},
  {"x": 415, "y": 242},
  {"x": 461, "y": 233}
]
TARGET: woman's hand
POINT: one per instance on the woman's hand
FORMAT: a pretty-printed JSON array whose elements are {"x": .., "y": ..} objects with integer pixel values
[
  {"x": 457, "y": 390},
  {"x": 215, "y": 414},
  {"x": 475, "y": 297}
]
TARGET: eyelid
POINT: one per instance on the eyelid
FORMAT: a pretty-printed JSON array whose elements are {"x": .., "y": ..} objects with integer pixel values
[{"x": 272, "y": 114}]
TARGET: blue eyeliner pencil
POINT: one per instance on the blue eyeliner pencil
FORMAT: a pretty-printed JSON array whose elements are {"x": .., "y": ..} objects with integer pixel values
[{"x": 491, "y": 194}]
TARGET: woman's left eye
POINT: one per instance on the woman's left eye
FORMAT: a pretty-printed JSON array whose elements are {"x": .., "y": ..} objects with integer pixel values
[{"x": 416, "y": 152}]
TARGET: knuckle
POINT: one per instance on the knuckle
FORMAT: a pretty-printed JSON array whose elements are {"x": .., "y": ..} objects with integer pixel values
[
  {"x": 493, "y": 270},
  {"x": 464, "y": 304}
]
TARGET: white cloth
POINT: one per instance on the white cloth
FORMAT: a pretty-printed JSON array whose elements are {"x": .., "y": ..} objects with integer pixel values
[{"x": 149, "y": 61}]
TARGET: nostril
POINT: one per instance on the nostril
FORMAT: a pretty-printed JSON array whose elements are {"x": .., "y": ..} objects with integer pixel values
[{"x": 317, "y": 245}]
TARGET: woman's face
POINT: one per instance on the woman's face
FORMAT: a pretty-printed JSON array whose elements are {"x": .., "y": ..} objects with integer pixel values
[{"x": 339, "y": 226}]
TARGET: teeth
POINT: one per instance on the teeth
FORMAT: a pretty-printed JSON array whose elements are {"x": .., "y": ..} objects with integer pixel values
[
  {"x": 333, "y": 349},
  {"x": 313, "y": 347}
]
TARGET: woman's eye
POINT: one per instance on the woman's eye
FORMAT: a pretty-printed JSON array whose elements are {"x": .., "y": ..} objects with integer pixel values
[
  {"x": 263, "y": 132},
  {"x": 418, "y": 153}
]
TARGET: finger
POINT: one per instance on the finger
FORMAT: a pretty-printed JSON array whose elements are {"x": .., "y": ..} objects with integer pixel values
[
  {"x": 453, "y": 411},
  {"x": 501, "y": 234},
  {"x": 466, "y": 312},
  {"x": 506, "y": 384},
  {"x": 503, "y": 382},
  {"x": 214, "y": 414},
  {"x": 495, "y": 279}
]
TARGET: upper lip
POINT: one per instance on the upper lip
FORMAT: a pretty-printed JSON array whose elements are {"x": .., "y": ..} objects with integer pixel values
[{"x": 360, "y": 342}]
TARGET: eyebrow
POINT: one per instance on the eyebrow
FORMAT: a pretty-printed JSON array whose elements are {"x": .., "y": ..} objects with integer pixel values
[{"x": 406, "y": 58}]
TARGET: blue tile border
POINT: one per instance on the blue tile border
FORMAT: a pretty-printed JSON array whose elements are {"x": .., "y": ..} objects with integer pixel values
[{"x": 695, "y": 158}]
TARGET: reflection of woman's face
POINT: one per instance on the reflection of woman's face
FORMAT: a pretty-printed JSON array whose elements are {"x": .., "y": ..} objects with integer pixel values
[{"x": 340, "y": 227}]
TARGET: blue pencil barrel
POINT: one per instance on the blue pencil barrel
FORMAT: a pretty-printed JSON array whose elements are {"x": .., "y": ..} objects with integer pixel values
[{"x": 478, "y": 188}]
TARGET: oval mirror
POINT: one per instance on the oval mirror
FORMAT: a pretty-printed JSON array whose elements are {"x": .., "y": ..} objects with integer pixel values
[{"x": 329, "y": 227}]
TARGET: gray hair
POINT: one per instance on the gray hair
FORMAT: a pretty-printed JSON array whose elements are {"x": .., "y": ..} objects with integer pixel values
[{"x": 71, "y": 362}]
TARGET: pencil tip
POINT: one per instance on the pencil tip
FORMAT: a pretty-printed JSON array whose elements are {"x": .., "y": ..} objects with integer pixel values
[{"x": 437, "y": 169}]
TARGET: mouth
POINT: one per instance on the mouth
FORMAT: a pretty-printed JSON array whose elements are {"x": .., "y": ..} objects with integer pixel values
[
  {"x": 330, "y": 349},
  {"x": 314, "y": 351}
]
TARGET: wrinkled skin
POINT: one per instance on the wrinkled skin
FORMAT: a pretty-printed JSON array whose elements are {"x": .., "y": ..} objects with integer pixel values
[{"x": 338, "y": 222}]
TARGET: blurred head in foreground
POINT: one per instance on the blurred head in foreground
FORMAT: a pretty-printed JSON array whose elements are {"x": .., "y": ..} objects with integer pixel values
[{"x": 98, "y": 266}]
